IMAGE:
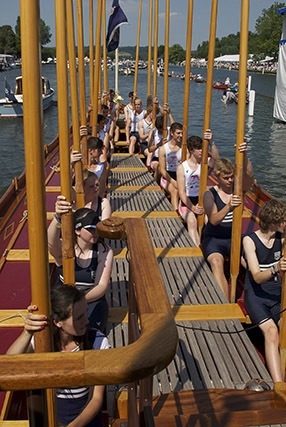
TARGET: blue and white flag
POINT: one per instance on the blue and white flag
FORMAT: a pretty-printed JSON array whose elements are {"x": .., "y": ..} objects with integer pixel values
[
  {"x": 117, "y": 18},
  {"x": 8, "y": 93}
]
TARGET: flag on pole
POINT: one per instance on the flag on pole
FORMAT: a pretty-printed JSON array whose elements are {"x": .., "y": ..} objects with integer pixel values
[
  {"x": 117, "y": 18},
  {"x": 8, "y": 93}
]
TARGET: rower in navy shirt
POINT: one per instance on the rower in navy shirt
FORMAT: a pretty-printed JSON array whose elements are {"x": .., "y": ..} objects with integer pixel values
[{"x": 263, "y": 253}]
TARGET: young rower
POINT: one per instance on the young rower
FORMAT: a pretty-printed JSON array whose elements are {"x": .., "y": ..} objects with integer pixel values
[
  {"x": 76, "y": 406},
  {"x": 169, "y": 159},
  {"x": 262, "y": 289},
  {"x": 219, "y": 203},
  {"x": 188, "y": 178}
]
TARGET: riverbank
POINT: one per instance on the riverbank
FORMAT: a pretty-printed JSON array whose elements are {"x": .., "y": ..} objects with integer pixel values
[{"x": 269, "y": 67}]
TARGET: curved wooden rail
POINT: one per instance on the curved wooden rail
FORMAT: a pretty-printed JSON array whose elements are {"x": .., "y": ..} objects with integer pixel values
[{"x": 145, "y": 357}]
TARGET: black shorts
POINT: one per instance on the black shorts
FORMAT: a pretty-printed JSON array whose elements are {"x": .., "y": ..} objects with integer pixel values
[
  {"x": 136, "y": 134},
  {"x": 212, "y": 245},
  {"x": 262, "y": 305},
  {"x": 143, "y": 147},
  {"x": 194, "y": 200}
]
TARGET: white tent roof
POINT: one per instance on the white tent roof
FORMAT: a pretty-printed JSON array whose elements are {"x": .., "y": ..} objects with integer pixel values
[{"x": 227, "y": 58}]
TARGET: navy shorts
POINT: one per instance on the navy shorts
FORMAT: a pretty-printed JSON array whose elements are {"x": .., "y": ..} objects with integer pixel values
[
  {"x": 212, "y": 245},
  {"x": 262, "y": 306},
  {"x": 136, "y": 134},
  {"x": 143, "y": 147}
]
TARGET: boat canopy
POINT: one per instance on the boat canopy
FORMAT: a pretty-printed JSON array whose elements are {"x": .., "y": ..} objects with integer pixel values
[{"x": 227, "y": 58}]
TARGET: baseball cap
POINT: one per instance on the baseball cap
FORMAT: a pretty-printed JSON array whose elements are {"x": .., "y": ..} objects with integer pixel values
[{"x": 86, "y": 218}]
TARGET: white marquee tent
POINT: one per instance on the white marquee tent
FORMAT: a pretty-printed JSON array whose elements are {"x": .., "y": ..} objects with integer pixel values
[
  {"x": 227, "y": 58},
  {"x": 279, "y": 111}
]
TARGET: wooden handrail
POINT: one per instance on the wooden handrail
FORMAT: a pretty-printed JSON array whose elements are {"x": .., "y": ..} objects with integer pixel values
[{"x": 151, "y": 353}]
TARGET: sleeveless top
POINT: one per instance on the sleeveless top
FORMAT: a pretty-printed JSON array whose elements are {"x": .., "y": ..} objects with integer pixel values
[
  {"x": 192, "y": 179},
  {"x": 84, "y": 276},
  {"x": 267, "y": 257},
  {"x": 157, "y": 138},
  {"x": 146, "y": 128},
  {"x": 107, "y": 125},
  {"x": 98, "y": 170},
  {"x": 223, "y": 229},
  {"x": 129, "y": 110},
  {"x": 173, "y": 159},
  {"x": 135, "y": 119},
  {"x": 71, "y": 401},
  {"x": 101, "y": 134}
]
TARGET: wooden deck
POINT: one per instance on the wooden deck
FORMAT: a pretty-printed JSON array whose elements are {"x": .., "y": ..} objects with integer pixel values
[{"x": 214, "y": 351}]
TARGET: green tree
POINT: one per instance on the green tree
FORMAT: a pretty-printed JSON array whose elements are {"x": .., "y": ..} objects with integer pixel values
[
  {"x": 202, "y": 50},
  {"x": 18, "y": 36},
  {"x": 7, "y": 40},
  {"x": 176, "y": 54},
  {"x": 161, "y": 50},
  {"x": 268, "y": 29},
  {"x": 45, "y": 33}
]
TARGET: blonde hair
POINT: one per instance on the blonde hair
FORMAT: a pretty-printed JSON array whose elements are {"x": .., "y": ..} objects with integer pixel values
[{"x": 223, "y": 166}]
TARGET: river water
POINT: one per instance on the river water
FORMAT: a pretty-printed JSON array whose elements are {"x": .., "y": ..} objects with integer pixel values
[{"x": 267, "y": 139}]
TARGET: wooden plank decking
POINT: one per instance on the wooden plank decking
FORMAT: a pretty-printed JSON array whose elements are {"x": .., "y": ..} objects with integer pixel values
[
  {"x": 212, "y": 354},
  {"x": 207, "y": 357}
]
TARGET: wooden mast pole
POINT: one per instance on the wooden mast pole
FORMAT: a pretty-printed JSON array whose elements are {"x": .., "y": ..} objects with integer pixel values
[
  {"x": 81, "y": 75},
  {"x": 207, "y": 114},
  {"x": 105, "y": 73},
  {"x": 63, "y": 125},
  {"x": 189, "y": 34},
  {"x": 239, "y": 157},
  {"x": 35, "y": 176},
  {"x": 91, "y": 52},
  {"x": 97, "y": 64},
  {"x": 74, "y": 102},
  {"x": 166, "y": 66},
  {"x": 150, "y": 28},
  {"x": 137, "y": 47},
  {"x": 155, "y": 54}
]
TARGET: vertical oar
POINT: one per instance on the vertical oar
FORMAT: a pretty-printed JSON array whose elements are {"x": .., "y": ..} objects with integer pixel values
[
  {"x": 189, "y": 34},
  {"x": 166, "y": 65},
  {"x": 74, "y": 103},
  {"x": 239, "y": 157},
  {"x": 116, "y": 72},
  {"x": 137, "y": 47},
  {"x": 155, "y": 53},
  {"x": 105, "y": 73},
  {"x": 208, "y": 102},
  {"x": 96, "y": 70},
  {"x": 35, "y": 175},
  {"x": 63, "y": 124},
  {"x": 91, "y": 52},
  {"x": 150, "y": 26},
  {"x": 34, "y": 163},
  {"x": 81, "y": 75},
  {"x": 282, "y": 326}
]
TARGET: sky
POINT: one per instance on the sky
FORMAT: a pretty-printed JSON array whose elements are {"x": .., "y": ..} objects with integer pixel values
[{"x": 228, "y": 19}]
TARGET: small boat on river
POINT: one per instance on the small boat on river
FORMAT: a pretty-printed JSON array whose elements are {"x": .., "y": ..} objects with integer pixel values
[{"x": 12, "y": 105}]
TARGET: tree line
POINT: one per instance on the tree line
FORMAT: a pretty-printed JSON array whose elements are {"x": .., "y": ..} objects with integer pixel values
[{"x": 264, "y": 41}]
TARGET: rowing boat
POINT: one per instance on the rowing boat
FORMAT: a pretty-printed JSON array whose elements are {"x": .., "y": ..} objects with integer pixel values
[{"x": 199, "y": 379}]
